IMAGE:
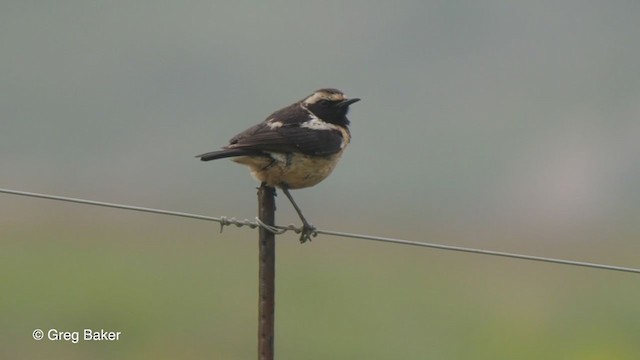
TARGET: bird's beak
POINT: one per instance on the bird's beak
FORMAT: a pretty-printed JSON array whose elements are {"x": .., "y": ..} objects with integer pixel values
[{"x": 347, "y": 102}]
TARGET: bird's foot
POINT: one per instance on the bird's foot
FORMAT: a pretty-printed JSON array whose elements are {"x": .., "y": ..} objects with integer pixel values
[{"x": 307, "y": 232}]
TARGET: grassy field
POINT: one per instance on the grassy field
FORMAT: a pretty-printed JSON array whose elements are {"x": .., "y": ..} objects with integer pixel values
[{"x": 177, "y": 288}]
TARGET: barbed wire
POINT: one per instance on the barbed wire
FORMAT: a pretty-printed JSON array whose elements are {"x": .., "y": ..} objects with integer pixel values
[{"x": 278, "y": 229}]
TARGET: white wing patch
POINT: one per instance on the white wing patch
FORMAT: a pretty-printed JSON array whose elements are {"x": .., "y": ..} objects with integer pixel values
[{"x": 274, "y": 124}]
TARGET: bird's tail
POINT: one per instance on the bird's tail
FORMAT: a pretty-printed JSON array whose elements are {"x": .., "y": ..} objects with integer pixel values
[{"x": 227, "y": 153}]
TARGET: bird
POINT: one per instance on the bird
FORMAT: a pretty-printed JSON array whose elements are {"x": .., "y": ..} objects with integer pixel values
[{"x": 295, "y": 147}]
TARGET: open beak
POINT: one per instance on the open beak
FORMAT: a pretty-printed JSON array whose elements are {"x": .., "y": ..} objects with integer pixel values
[{"x": 347, "y": 102}]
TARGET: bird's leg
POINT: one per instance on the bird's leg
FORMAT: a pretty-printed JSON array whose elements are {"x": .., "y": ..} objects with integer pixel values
[{"x": 308, "y": 230}]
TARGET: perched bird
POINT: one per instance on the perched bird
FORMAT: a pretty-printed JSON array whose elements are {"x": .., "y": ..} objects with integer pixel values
[{"x": 295, "y": 147}]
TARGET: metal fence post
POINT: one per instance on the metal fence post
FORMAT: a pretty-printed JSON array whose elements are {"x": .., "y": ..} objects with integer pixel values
[{"x": 266, "y": 273}]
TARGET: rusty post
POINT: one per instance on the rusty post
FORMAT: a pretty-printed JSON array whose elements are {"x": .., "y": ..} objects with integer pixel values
[{"x": 266, "y": 273}]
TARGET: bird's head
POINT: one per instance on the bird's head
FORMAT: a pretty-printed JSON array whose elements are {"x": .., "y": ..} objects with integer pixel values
[{"x": 330, "y": 105}]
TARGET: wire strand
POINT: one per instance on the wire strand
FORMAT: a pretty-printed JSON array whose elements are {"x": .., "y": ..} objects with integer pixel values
[
  {"x": 224, "y": 221},
  {"x": 481, "y": 251}
]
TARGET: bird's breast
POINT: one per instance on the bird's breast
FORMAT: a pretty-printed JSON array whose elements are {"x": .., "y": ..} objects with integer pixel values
[{"x": 293, "y": 170}]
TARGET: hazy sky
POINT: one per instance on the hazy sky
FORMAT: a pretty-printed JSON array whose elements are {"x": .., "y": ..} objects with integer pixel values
[{"x": 515, "y": 116}]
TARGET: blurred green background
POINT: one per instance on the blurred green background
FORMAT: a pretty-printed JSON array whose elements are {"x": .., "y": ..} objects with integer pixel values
[{"x": 501, "y": 125}]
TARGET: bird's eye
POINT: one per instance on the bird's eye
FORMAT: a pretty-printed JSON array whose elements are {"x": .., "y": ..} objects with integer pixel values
[{"x": 324, "y": 102}]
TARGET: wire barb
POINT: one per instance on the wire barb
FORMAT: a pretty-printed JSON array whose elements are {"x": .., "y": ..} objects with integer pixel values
[{"x": 277, "y": 229}]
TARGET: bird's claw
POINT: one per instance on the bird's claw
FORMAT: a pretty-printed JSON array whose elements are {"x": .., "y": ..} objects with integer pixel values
[{"x": 307, "y": 232}]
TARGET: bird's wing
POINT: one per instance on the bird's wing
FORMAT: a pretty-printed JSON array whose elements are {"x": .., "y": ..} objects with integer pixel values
[{"x": 288, "y": 138}]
